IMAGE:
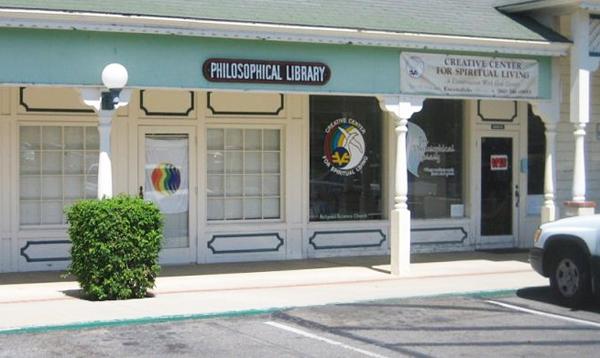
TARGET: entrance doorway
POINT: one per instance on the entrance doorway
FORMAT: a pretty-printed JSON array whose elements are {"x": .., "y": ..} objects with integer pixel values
[
  {"x": 499, "y": 190},
  {"x": 167, "y": 177}
]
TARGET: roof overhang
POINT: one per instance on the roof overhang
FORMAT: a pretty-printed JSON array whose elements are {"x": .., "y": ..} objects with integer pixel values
[
  {"x": 85, "y": 21},
  {"x": 557, "y": 6}
]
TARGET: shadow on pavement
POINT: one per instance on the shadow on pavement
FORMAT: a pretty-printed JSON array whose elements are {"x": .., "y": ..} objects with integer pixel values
[
  {"x": 15, "y": 278},
  {"x": 543, "y": 294},
  {"x": 375, "y": 263},
  {"x": 79, "y": 294}
]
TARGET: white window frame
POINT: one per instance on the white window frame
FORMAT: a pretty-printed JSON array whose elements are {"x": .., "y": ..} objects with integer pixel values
[
  {"x": 39, "y": 124},
  {"x": 282, "y": 172}
]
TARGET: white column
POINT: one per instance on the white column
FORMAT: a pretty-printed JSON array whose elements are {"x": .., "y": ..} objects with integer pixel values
[
  {"x": 581, "y": 66},
  {"x": 549, "y": 209},
  {"x": 401, "y": 109},
  {"x": 549, "y": 112},
  {"x": 93, "y": 98},
  {"x": 105, "y": 164},
  {"x": 579, "y": 163}
]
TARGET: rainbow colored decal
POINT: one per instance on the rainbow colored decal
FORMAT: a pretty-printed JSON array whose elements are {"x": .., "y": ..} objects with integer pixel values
[{"x": 166, "y": 178}]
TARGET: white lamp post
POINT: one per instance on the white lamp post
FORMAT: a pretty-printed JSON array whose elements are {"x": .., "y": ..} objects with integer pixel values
[{"x": 114, "y": 77}]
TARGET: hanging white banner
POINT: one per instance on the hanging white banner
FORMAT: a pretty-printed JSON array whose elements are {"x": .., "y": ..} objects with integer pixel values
[
  {"x": 166, "y": 173},
  {"x": 468, "y": 76}
]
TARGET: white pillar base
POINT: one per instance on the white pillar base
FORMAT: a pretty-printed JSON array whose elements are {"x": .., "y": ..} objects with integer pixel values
[
  {"x": 400, "y": 242},
  {"x": 580, "y": 208},
  {"x": 548, "y": 214}
]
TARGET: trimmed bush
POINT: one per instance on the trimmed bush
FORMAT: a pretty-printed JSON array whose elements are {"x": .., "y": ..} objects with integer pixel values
[{"x": 115, "y": 246}]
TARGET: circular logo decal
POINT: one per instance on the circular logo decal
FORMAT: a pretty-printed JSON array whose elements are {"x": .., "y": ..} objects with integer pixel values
[
  {"x": 416, "y": 66},
  {"x": 344, "y": 147},
  {"x": 166, "y": 178}
]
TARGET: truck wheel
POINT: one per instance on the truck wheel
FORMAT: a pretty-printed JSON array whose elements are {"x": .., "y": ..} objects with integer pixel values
[{"x": 570, "y": 277}]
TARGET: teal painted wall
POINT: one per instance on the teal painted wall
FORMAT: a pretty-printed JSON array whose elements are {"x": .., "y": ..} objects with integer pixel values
[{"x": 78, "y": 57}]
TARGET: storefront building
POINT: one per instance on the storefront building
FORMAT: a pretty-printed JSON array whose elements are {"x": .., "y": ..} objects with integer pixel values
[{"x": 268, "y": 136}]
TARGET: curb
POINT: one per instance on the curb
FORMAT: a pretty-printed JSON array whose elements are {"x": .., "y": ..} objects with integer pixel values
[
  {"x": 226, "y": 314},
  {"x": 136, "y": 321}
]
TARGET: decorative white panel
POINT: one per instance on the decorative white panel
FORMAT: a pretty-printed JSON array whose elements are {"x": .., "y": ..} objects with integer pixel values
[
  {"x": 48, "y": 100},
  {"x": 348, "y": 239},
  {"x": 500, "y": 111},
  {"x": 595, "y": 36},
  {"x": 166, "y": 103},
  {"x": 439, "y": 236},
  {"x": 54, "y": 250},
  {"x": 220, "y": 244},
  {"x": 263, "y": 104}
]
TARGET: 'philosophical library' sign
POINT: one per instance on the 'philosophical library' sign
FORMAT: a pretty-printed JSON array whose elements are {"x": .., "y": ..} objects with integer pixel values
[
  {"x": 468, "y": 76},
  {"x": 260, "y": 71}
]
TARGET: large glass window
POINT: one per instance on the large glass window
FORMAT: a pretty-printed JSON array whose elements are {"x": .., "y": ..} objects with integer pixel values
[
  {"x": 435, "y": 164},
  {"x": 58, "y": 165},
  {"x": 345, "y": 158},
  {"x": 244, "y": 174}
]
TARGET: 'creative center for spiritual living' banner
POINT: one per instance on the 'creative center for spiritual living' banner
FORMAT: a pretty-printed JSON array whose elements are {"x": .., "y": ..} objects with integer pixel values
[{"x": 468, "y": 76}]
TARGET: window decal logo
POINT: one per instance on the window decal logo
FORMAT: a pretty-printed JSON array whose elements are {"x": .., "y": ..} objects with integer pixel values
[
  {"x": 416, "y": 146},
  {"x": 416, "y": 67},
  {"x": 344, "y": 147},
  {"x": 166, "y": 179}
]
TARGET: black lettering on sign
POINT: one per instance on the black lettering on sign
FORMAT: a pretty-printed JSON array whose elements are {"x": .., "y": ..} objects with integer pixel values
[{"x": 260, "y": 71}]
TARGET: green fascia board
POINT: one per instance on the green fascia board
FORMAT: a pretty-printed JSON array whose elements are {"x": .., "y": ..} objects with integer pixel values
[
  {"x": 76, "y": 58},
  {"x": 163, "y": 61}
]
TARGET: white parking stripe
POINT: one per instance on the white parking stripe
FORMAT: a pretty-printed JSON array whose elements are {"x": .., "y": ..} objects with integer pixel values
[
  {"x": 545, "y": 314},
  {"x": 322, "y": 339}
]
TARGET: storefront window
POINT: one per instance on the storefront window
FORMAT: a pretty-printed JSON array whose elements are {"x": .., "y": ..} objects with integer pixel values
[
  {"x": 345, "y": 158},
  {"x": 57, "y": 166},
  {"x": 244, "y": 174},
  {"x": 435, "y": 160}
]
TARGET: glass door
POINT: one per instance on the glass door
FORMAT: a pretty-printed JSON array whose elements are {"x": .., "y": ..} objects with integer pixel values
[
  {"x": 499, "y": 191},
  {"x": 167, "y": 178}
]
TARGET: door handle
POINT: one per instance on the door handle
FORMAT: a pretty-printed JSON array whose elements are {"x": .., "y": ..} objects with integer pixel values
[
  {"x": 141, "y": 192},
  {"x": 517, "y": 196}
]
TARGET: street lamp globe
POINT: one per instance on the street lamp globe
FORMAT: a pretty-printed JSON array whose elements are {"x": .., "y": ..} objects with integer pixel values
[{"x": 114, "y": 76}]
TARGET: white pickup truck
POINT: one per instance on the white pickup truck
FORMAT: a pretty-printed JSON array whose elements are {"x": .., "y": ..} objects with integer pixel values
[{"x": 568, "y": 252}]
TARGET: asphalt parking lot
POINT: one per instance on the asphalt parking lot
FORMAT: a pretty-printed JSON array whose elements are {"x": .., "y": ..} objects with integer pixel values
[{"x": 523, "y": 323}]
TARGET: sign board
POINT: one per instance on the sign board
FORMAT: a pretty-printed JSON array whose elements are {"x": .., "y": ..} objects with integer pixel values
[
  {"x": 499, "y": 162},
  {"x": 260, "y": 71},
  {"x": 468, "y": 76}
]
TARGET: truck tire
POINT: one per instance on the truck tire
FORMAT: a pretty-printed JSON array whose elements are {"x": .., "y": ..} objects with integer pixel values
[{"x": 570, "y": 277}]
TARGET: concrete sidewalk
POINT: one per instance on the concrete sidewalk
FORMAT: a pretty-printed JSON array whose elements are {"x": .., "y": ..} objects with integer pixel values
[{"x": 43, "y": 300}]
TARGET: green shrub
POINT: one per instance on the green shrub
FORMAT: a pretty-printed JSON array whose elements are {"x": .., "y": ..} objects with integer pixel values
[{"x": 115, "y": 245}]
